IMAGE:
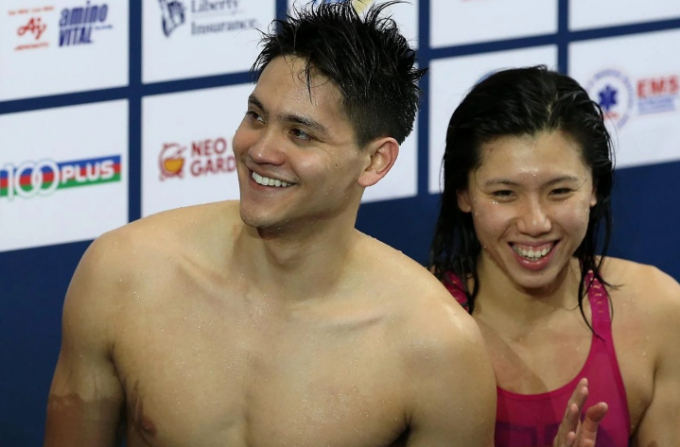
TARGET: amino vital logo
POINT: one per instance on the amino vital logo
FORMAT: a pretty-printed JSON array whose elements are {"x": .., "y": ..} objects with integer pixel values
[
  {"x": 76, "y": 24},
  {"x": 30, "y": 178}
]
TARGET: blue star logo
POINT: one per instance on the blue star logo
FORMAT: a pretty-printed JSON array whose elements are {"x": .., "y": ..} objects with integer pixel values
[{"x": 608, "y": 98}]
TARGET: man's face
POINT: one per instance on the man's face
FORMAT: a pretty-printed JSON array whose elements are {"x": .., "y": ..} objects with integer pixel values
[{"x": 297, "y": 156}]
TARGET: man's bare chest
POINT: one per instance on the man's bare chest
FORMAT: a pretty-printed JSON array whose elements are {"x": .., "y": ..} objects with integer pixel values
[{"x": 220, "y": 376}]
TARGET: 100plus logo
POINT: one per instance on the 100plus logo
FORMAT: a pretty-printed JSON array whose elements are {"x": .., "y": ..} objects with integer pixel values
[{"x": 42, "y": 178}]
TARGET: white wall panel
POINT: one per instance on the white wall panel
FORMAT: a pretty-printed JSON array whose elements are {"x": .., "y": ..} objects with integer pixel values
[{"x": 457, "y": 22}]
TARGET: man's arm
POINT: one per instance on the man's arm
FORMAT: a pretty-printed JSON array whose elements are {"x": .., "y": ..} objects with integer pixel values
[
  {"x": 660, "y": 424},
  {"x": 86, "y": 398},
  {"x": 452, "y": 384}
]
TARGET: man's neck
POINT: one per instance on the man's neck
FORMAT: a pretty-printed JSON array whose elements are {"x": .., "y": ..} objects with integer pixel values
[{"x": 296, "y": 265}]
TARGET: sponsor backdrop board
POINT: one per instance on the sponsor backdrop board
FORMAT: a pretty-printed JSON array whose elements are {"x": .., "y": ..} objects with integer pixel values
[
  {"x": 405, "y": 14},
  {"x": 189, "y": 38},
  {"x": 585, "y": 14},
  {"x": 51, "y": 47},
  {"x": 453, "y": 78},
  {"x": 92, "y": 136},
  {"x": 187, "y": 157},
  {"x": 636, "y": 81},
  {"x": 63, "y": 175},
  {"x": 456, "y": 22}
]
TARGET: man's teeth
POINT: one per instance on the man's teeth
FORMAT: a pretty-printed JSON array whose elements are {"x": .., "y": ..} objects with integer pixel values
[
  {"x": 531, "y": 253},
  {"x": 266, "y": 181}
]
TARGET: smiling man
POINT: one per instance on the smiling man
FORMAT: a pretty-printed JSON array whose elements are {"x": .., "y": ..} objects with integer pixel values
[{"x": 272, "y": 321}]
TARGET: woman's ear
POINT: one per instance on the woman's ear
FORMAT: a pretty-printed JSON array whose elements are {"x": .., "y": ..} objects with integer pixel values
[{"x": 464, "y": 200}]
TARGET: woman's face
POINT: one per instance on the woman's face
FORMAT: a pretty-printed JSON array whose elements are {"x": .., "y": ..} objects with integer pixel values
[{"x": 530, "y": 202}]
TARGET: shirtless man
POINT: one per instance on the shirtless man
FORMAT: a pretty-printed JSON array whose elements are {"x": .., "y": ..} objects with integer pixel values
[{"x": 271, "y": 321}]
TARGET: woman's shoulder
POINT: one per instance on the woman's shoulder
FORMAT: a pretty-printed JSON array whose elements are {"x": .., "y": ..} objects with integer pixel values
[{"x": 641, "y": 284}]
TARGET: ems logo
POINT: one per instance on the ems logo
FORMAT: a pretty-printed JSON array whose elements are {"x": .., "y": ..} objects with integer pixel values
[
  {"x": 172, "y": 15},
  {"x": 658, "y": 94},
  {"x": 612, "y": 90}
]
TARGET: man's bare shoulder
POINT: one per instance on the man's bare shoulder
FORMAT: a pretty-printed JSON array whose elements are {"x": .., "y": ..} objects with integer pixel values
[
  {"x": 168, "y": 233},
  {"x": 428, "y": 320}
]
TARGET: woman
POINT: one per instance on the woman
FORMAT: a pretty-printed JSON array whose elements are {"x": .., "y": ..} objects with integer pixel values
[{"x": 527, "y": 186}]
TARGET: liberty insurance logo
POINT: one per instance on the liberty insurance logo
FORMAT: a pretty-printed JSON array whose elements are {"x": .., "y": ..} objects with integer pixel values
[{"x": 173, "y": 15}]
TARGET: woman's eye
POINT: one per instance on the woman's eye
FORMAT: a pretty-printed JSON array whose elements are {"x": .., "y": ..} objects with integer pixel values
[
  {"x": 561, "y": 191},
  {"x": 502, "y": 194}
]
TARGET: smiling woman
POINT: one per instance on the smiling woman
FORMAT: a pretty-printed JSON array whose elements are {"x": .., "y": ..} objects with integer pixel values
[{"x": 527, "y": 184}]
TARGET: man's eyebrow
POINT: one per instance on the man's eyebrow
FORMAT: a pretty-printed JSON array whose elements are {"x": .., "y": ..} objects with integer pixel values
[
  {"x": 291, "y": 117},
  {"x": 305, "y": 121}
]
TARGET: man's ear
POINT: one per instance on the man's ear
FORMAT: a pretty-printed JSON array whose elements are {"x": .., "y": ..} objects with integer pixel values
[
  {"x": 381, "y": 155},
  {"x": 464, "y": 200}
]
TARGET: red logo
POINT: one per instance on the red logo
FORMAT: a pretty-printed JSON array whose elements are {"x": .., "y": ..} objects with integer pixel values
[
  {"x": 171, "y": 160},
  {"x": 31, "y": 25},
  {"x": 207, "y": 157},
  {"x": 665, "y": 85},
  {"x": 34, "y": 27}
]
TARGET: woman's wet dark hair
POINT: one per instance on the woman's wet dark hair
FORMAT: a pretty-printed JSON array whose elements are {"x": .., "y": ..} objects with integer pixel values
[{"x": 517, "y": 102}]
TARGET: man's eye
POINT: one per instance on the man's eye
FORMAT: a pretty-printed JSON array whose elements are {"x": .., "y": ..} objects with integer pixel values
[
  {"x": 300, "y": 134},
  {"x": 254, "y": 116}
]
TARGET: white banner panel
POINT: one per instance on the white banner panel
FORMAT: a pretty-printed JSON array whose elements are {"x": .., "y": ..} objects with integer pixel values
[
  {"x": 456, "y": 22},
  {"x": 404, "y": 14},
  {"x": 187, "y": 156},
  {"x": 193, "y": 38},
  {"x": 63, "y": 174},
  {"x": 636, "y": 80},
  {"x": 451, "y": 79},
  {"x": 585, "y": 14},
  {"x": 62, "y": 46}
]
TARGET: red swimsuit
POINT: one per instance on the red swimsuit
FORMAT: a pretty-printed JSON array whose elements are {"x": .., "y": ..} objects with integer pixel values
[{"x": 524, "y": 420}]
